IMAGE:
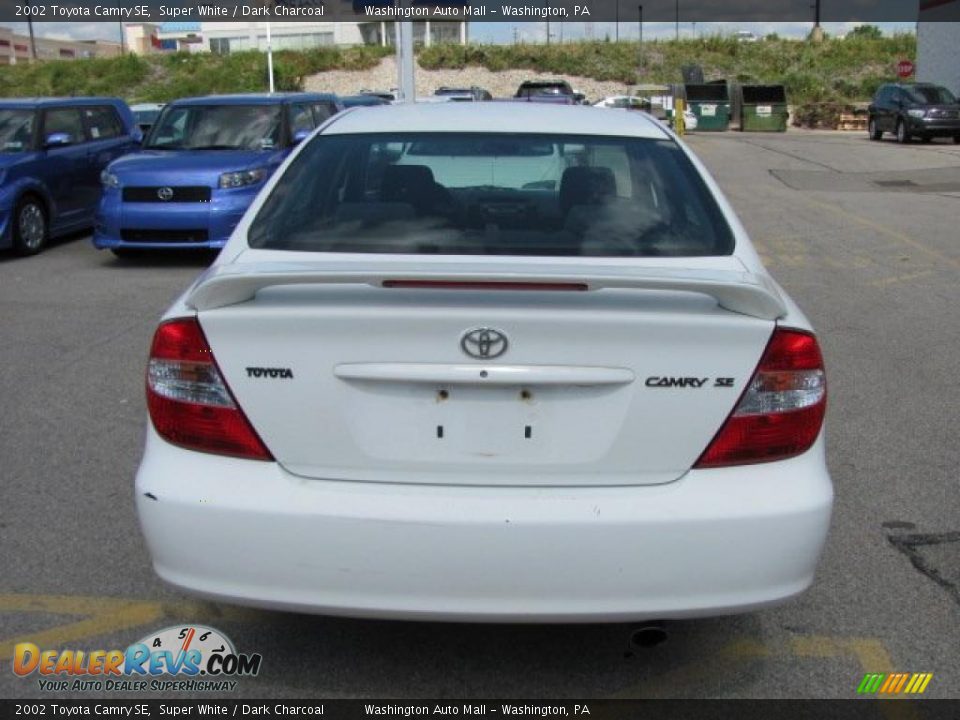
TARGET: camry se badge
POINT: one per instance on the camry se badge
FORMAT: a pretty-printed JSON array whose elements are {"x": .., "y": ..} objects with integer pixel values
[{"x": 484, "y": 343}]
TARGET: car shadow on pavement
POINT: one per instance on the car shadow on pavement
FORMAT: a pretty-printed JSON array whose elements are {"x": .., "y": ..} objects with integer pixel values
[{"x": 375, "y": 658}]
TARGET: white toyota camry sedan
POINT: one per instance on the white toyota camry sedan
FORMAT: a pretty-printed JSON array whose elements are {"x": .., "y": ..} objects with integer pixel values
[{"x": 490, "y": 362}]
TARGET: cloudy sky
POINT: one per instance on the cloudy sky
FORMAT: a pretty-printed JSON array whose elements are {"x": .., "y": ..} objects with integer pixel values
[
  {"x": 503, "y": 32},
  {"x": 536, "y": 31}
]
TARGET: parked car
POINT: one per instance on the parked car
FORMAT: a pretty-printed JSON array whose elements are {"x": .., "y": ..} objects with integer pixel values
[
  {"x": 350, "y": 101},
  {"x": 473, "y": 93},
  {"x": 546, "y": 99},
  {"x": 388, "y": 95},
  {"x": 146, "y": 114},
  {"x": 549, "y": 88},
  {"x": 53, "y": 150},
  {"x": 202, "y": 163},
  {"x": 633, "y": 102},
  {"x": 487, "y": 362},
  {"x": 910, "y": 110},
  {"x": 625, "y": 102}
]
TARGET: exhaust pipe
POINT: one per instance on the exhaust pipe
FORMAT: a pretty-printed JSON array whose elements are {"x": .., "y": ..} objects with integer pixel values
[{"x": 648, "y": 636}]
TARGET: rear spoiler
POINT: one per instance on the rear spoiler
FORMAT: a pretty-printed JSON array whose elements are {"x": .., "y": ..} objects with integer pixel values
[{"x": 739, "y": 291}]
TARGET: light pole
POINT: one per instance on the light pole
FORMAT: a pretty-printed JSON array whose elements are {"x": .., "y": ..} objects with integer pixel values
[
  {"x": 817, "y": 33},
  {"x": 640, "y": 30},
  {"x": 677, "y": 18},
  {"x": 616, "y": 25},
  {"x": 269, "y": 58}
]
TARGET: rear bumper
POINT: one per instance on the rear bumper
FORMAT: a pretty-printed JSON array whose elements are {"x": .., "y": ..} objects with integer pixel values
[{"x": 714, "y": 542}]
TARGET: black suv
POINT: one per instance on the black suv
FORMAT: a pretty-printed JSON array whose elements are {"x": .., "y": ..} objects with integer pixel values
[
  {"x": 474, "y": 93},
  {"x": 915, "y": 109},
  {"x": 549, "y": 88}
]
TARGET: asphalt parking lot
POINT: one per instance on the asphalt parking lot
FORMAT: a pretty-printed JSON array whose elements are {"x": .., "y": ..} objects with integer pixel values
[{"x": 865, "y": 238}]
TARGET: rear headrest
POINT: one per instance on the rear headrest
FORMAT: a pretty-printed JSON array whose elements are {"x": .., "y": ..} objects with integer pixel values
[
  {"x": 406, "y": 183},
  {"x": 586, "y": 186},
  {"x": 369, "y": 214}
]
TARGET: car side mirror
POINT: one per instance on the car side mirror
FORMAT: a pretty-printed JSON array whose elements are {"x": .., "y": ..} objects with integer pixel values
[
  {"x": 300, "y": 135},
  {"x": 58, "y": 139}
]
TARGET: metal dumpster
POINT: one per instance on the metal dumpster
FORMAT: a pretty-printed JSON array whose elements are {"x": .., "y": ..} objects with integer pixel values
[
  {"x": 763, "y": 108},
  {"x": 711, "y": 104}
]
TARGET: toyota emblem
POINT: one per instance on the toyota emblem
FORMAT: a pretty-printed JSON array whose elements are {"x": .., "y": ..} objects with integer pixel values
[
  {"x": 165, "y": 193},
  {"x": 484, "y": 343}
]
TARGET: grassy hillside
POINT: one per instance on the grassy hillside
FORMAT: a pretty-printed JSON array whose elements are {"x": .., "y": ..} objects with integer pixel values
[
  {"x": 160, "y": 78},
  {"x": 833, "y": 71}
]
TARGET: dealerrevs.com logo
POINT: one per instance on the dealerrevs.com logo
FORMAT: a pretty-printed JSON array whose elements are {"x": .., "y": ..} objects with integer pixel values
[{"x": 179, "y": 658}]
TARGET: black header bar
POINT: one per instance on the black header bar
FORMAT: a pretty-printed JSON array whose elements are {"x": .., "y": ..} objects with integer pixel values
[{"x": 683, "y": 11}]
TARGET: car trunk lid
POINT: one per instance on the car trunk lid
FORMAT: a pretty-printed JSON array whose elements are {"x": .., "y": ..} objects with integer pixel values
[{"x": 593, "y": 374}]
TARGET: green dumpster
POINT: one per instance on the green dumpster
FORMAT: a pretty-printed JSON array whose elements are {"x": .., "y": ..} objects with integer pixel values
[
  {"x": 711, "y": 104},
  {"x": 763, "y": 108}
]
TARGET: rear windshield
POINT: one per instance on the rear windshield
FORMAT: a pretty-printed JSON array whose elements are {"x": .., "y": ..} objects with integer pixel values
[
  {"x": 930, "y": 95},
  {"x": 217, "y": 127},
  {"x": 492, "y": 194}
]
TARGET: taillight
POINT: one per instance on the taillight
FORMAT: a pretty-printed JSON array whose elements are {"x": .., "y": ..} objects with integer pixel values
[
  {"x": 190, "y": 404},
  {"x": 780, "y": 413}
]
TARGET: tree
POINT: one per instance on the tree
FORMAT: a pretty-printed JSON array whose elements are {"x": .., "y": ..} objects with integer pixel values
[{"x": 868, "y": 32}]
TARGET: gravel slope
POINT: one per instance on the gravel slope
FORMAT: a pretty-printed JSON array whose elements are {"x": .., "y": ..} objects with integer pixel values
[{"x": 500, "y": 84}]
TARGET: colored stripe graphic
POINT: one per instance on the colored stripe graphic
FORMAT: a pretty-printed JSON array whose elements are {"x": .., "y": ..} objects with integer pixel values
[
  {"x": 894, "y": 683},
  {"x": 870, "y": 683}
]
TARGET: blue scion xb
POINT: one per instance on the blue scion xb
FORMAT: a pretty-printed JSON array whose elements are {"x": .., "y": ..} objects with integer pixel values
[
  {"x": 52, "y": 151},
  {"x": 202, "y": 163}
]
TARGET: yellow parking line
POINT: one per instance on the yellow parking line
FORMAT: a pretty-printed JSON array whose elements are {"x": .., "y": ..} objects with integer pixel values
[
  {"x": 883, "y": 230},
  {"x": 902, "y": 278},
  {"x": 871, "y": 654},
  {"x": 133, "y": 616},
  {"x": 670, "y": 684},
  {"x": 101, "y": 616}
]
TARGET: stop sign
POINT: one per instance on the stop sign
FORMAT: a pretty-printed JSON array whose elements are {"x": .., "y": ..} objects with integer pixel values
[{"x": 905, "y": 68}]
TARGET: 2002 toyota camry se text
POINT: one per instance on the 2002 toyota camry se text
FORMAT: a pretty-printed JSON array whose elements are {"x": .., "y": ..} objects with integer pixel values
[{"x": 449, "y": 368}]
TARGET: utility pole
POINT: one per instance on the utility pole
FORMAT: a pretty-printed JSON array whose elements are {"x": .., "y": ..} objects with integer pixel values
[
  {"x": 640, "y": 30},
  {"x": 33, "y": 42},
  {"x": 616, "y": 28},
  {"x": 676, "y": 21},
  {"x": 123, "y": 40}
]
